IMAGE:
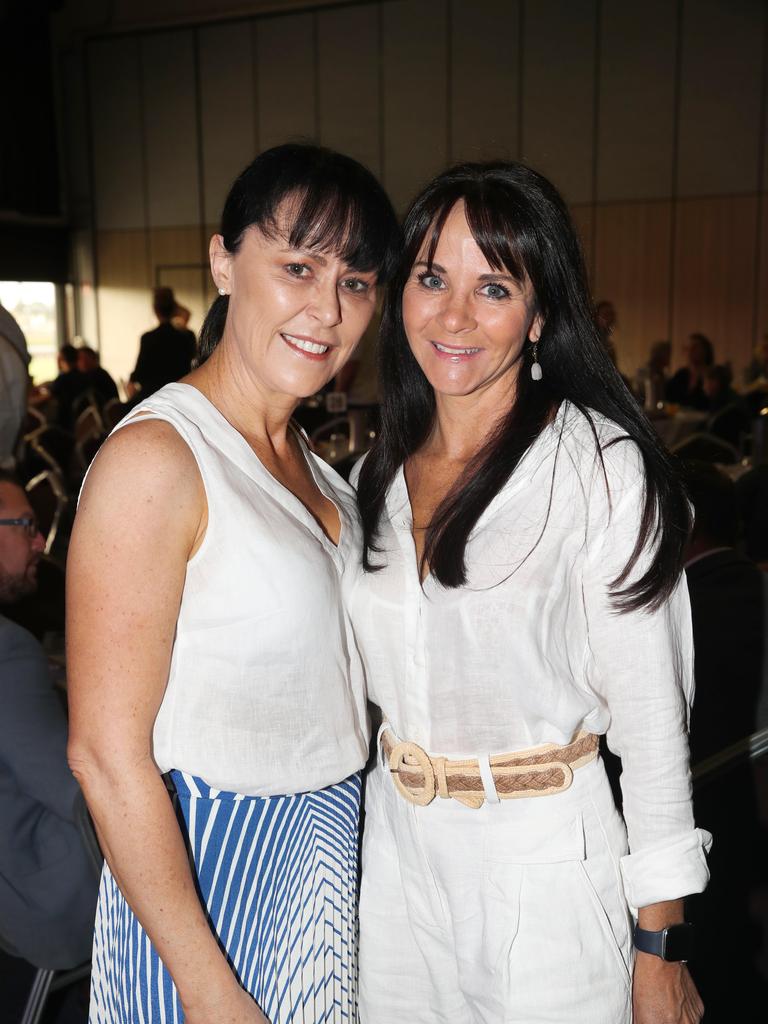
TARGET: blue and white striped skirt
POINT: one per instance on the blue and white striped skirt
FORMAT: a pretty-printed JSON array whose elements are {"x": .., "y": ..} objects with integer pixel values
[{"x": 278, "y": 876}]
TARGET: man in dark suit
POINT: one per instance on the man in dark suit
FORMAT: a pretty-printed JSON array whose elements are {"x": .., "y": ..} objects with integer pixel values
[
  {"x": 67, "y": 388},
  {"x": 48, "y": 883},
  {"x": 165, "y": 354}
]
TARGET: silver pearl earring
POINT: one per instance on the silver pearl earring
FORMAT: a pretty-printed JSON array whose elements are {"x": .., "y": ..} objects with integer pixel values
[
  {"x": 222, "y": 292},
  {"x": 536, "y": 373}
]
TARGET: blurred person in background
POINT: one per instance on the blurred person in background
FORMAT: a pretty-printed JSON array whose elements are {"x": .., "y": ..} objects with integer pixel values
[
  {"x": 756, "y": 379},
  {"x": 718, "y": 387},
  {"x": 14, "y": 385},
  {"x": 165, "y": 353},
  {"x": 48, "y": 884},
  {"x": 651, "y": 379},
  {"x": 65, "y": 389},
  {"x": 686, "y": 387},
  {"x": 181, "y": 316},
  {"x": 757, "y": 371},
  {"x": 729, "y": 413},
  {"x": 99, "y": 380}
]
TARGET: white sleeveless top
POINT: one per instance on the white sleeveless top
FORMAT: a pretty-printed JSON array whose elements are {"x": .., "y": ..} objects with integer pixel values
[{"x": 265, "y": 692}]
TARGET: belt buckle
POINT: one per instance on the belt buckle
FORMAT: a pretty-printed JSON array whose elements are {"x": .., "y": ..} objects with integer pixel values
[{"x": 397, "y": 761}]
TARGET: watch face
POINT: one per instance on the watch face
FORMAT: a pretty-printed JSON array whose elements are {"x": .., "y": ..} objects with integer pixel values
[{"x": 680, "y": 942}]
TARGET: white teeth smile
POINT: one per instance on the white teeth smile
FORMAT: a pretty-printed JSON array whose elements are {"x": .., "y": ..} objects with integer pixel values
[
  {"x": 307, "y": 346},
  {"x": 455, "y": 351}
]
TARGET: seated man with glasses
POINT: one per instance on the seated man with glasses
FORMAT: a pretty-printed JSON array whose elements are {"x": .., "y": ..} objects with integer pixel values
[{"x": 47, "y": 881}]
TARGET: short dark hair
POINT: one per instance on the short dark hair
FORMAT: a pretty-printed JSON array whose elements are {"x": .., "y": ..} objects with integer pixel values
[
  {"x": 7, "y": 476},
  {"x": 89, "y": 351},
  {"x": 707, "y": 346},
  {"x": 164, "y": 303},
  {"x": 68, "y": 354},
  {"x": 340, "y": 207}
]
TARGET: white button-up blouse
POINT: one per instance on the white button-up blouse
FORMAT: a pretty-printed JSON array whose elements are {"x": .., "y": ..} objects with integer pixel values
[{"x": 531, "y": 650}]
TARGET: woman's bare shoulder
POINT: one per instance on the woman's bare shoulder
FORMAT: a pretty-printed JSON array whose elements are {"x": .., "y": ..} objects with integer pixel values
[{"x": 145, "y": 460}]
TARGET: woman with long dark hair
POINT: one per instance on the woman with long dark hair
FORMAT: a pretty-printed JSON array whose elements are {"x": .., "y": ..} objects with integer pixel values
[
  {"x": 209, "y": 654},
  {"x": 521, "y": 597}
]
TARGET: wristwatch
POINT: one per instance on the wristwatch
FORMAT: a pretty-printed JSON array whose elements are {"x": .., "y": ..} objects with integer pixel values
[{"x": 676, "y": 943}]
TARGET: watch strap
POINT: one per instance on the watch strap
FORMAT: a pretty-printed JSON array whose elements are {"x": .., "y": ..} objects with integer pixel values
[
  {"x": 676, "y": 944},
  {"x": 650, "y": 942}
]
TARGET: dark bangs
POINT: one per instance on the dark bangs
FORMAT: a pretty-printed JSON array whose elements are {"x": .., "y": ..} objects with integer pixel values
[
  {"x": 496, "y": 221},
  {"x": 333, "y": 204},
  {"x": 328, "y": 219}
]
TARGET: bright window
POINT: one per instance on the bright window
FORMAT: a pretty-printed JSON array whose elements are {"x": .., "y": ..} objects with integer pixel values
[{"x": 33, "y": 306}]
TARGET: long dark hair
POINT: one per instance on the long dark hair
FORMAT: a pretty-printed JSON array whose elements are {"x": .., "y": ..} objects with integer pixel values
[
  {"x": 521, "y": 224},
  {"x": 337, "y": 206}
]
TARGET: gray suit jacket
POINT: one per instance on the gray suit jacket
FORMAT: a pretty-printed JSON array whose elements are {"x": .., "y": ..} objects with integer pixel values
[{"x": 48, "y": 883}]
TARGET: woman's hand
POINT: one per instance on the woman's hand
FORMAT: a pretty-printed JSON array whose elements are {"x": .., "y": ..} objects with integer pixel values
[
  {"x": 664, "y": 993},
  {"x": 235, "y": 1007}
]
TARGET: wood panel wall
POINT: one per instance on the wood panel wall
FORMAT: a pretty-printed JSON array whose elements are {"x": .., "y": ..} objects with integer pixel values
[{"x": 651, "y": 119}]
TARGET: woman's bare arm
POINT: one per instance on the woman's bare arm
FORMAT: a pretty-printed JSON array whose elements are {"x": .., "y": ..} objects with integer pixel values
[{"x": 141, "y": 516}]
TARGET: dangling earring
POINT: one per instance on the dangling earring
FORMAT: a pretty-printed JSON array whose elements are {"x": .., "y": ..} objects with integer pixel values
[{"x": 536, "y": 373}]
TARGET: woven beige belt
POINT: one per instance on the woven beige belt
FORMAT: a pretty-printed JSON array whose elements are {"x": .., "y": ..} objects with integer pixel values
[{"x": 538, "y": 771}]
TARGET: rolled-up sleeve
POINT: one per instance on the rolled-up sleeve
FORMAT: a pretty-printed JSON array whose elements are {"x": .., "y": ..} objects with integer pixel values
[{"x": 641, "y": 665}]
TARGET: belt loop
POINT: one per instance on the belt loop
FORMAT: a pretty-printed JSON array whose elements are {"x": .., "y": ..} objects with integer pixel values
[
  {"x": 489, "y": 786},
  {"x": 383, "y": 760}
]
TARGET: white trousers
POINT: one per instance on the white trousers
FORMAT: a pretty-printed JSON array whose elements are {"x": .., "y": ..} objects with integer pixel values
[{"x": 510, "y": 914}]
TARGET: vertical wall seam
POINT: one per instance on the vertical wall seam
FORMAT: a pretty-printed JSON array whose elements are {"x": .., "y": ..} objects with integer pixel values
[
  {"x": 144, "y": 163},
  {"x": 520, "y": 77},
  {"x": 381, "y": 85},
  {"x": 595, "y": 137},
  {"x": 316, "y": 76},
  {"x": 673, "y": 192},
  {"x": 763, "y": 143},
  {"x": 449, "y": 81},
  {"x": 201, "y": 203},
  {"x": 254, "y": 38},
  {"x": 94, "y": 229}
]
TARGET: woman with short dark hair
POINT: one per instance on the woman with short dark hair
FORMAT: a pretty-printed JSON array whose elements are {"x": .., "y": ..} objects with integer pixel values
[
  {"x": 208, "y": 647},
  {"x": 686, "y": 387},
  {"x": 521, "y": 597}
]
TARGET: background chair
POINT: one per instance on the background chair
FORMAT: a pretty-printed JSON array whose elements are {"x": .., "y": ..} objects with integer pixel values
[
  {"x": 33, "y": 420},
  {"x": 732, "y": 423},
  {"x": 113, "y": 412},
  {"x": 49, "y": 500},
  {"x": 49, "y": 447},
  {"x": 88, "y": 423},
  {"x": 707, "y": 448}
]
